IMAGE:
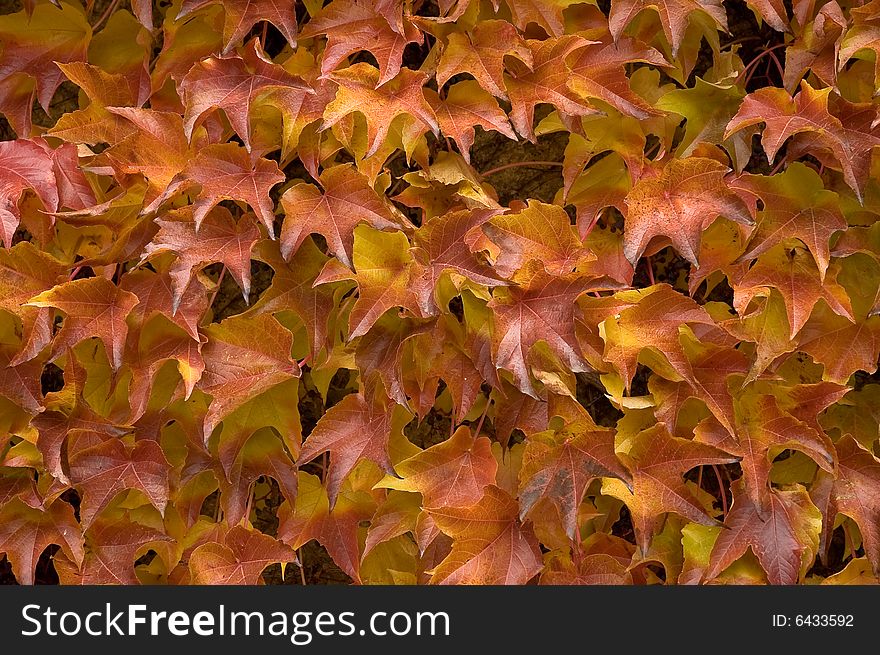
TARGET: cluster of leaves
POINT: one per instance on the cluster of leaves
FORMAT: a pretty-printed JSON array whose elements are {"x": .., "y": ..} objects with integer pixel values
[{"x": 258, "y": 305}]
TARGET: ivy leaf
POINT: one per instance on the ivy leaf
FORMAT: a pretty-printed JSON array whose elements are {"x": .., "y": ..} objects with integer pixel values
[
  {"x": 26, "y": 271},
  {"x": 235, "y": 84},
  {"x": 674, "y": 16},
  {"x": 156, "y": 298},
  {"x": 67, "y": 411},
  {"x": 104, "y": 470},
  {"x": 244, "y": 357},
  {"x": 559, "y": 465},
  {"x": 292, "y": 289},
  {"x": 114, "y": 547},
  {"x": 24, "y": 165},
  {"x": 810, "y": 111},
  {"x": 226, "y": 171},
  {"x": 156, "y": 148},
  {"x": 794, "y": 274},
  {"x": 220, "y": 238},
  {"x": 25, "y": 533},
  {"x": 347, "y": 200},
  {"x": 481, "y": 53},
  {"x": 795, "y": 205},
  {"x": 540, "y": 308},
  {"x": 599, "y": 71},
  {"x": 241, "y": 15},
  {"x": 760, "y": 437},
  {"x": 32, "y": 44},
  {"x": 779, "y": 541},
  {"x": 351, "y": 430},
  {"x": 653, "y": 320},
  {"x": 545, "y": 81},
  {"x": 452, "y": 473},
  {"x": 387, "y": 276},
  {"x": 678, "y": 202},
  {"x": 772, "y": 12},
  {"x": 334, "y": 527},
  {"x": 851, "y": 492},
  {"x": 466, "y": 106},
  {"x": 545, "y": 13},
  {"x": 658, "y": 462},
  {"x": 93, "y": 307},
  {"x": 489, "y": 545},
  {"x": 357, "y": 92},
  {"x": 538, "y": 232},
  {"x": 443, "y": 242},
  {"x": 249, "y": 450},
  {"x": 239, "y": 560},
  {"x": 354, "y": 25}
]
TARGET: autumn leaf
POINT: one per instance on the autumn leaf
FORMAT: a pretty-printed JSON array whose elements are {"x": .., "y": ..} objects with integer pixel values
[
  {"x": 242, "y": 15},
  {"x": 104, "y": 470},
  {"x": 347, "y": 200},
  {"x": 489, "y": 544},
  {"x": 540, "y": 308},
  {"x": 678, "y": 202},
  {"x": 25, "y": 532},
  {"x": 352, "y": 429},
  {"x": 235, "y": 84},
  {"x": 850, "y": 492},
  {"x": 219, "y": 238},
  {"x": 24, "y": 165},
  {"x": 93, "y": 307},
  {"x": 674, "y": 16},
  {"x": 228, "y": 172},
  {"x": 481, "y": 53},
  {"x": 239, "y": 560},
  {"x": 357, "y": 92},
  {"x": 387, "y": 276},
  {"x": 658, "y": 462},
  {"x": 808, "y": 112},
  {"x": 354, "y": 25},
  {"x": 653, "y": 320},
  {"x": 452, "y": 473},
  {"x": 780, "y": 541},
  {"x": 333, "y": 526},
  {"x": 244, "y": 357},
  {"x": 538, "y": 232},
  {"x": 760, "y": 437},
  {"x": 545, "y": 81},
  {"x": 114, "y": 546},
  {"x": 795, "y": 206},
  {"x": 465, "y": 107},
  {"x": 795, "y": 275},
  {"x": 559, "y": 465}
]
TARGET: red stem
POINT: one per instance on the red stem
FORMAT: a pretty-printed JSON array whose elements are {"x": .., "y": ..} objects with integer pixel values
[
  {"x": 110, "y": 8},
  {"x": 754, "y": 62},
  {"x": 217, "y": 288},
  {"x": 483, "y": 417},
  {"x": 721, "y": 490},
  {"x": 650, "y": 266}
]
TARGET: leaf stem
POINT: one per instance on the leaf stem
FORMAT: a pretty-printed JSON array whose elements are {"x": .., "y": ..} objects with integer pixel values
[
  {"x": 110, "y": 9},
  {"x": 483, "y": 417},
  {"x": 517, "y": 164},
  {"x": 217, "y": 288},
  {"x": 721, "y": 491},
  {"x": 746, "y": 73},
  {"x": 302, "y": 567},
  {"x": 649, "y": 265}
]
